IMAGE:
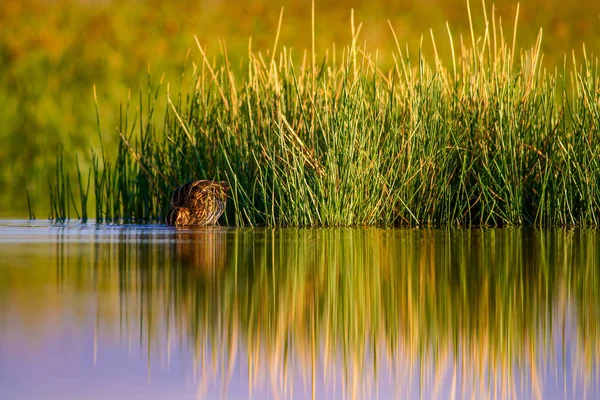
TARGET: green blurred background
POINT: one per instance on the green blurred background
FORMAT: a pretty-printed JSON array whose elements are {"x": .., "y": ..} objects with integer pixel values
[{"x": 53, "y": 52}]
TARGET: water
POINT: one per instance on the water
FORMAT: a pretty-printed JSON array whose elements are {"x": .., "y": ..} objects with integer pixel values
[{"x": 105, "y": 312}]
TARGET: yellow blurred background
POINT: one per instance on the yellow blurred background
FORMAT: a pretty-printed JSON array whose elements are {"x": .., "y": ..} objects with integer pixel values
[{"x": 53, "y": 52}]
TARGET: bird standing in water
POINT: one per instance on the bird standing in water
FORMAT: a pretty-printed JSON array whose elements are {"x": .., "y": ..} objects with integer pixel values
[{"x": 199, "y": 203}]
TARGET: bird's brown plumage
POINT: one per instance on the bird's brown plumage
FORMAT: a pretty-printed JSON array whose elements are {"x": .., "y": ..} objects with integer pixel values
[{"x": 197, "y": 203}]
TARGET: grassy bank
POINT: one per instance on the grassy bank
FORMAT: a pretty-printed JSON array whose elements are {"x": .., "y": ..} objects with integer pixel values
[{"x": 489, "y": 138}]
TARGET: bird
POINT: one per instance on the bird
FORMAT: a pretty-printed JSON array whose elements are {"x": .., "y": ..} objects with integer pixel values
[{"x": 197, "y": 203}]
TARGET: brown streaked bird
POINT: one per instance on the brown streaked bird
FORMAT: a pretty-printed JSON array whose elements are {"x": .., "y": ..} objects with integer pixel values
[{"x": 198, "y": 203}]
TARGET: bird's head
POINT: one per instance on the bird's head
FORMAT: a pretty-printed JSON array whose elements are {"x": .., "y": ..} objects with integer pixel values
[{"x": 178, "y": 216}]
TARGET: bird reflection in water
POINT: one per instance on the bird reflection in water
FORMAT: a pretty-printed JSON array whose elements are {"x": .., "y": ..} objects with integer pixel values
[{"x": 202, "y": 248}]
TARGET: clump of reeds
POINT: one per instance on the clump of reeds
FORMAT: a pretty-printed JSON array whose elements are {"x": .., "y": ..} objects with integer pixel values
[{"x": 492, "y": 138}]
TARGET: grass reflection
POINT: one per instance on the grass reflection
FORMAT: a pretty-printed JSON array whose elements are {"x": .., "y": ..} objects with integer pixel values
[{"x": 498, "y": 313}]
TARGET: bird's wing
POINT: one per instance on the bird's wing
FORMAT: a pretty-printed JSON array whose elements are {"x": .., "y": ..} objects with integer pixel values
[
  {"x": 181, "y": 195},
  {"x": 198, "y": 190}
]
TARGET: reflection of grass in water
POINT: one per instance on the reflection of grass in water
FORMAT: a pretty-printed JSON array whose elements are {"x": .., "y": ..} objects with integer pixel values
[
  {"x": 585, "y": 287},
  {"x": 350, "y": 307}
]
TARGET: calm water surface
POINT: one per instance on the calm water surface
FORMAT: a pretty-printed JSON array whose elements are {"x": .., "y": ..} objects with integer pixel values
[{"x": 105, "y": 312}]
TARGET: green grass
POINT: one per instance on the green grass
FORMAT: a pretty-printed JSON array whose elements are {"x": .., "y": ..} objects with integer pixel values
[
  {"x": 492, "y": 138},
  {"x": 54, "y": 52}
]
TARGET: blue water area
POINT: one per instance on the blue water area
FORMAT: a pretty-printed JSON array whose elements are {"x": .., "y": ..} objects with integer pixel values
[{"x": 101, "y": 311}]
